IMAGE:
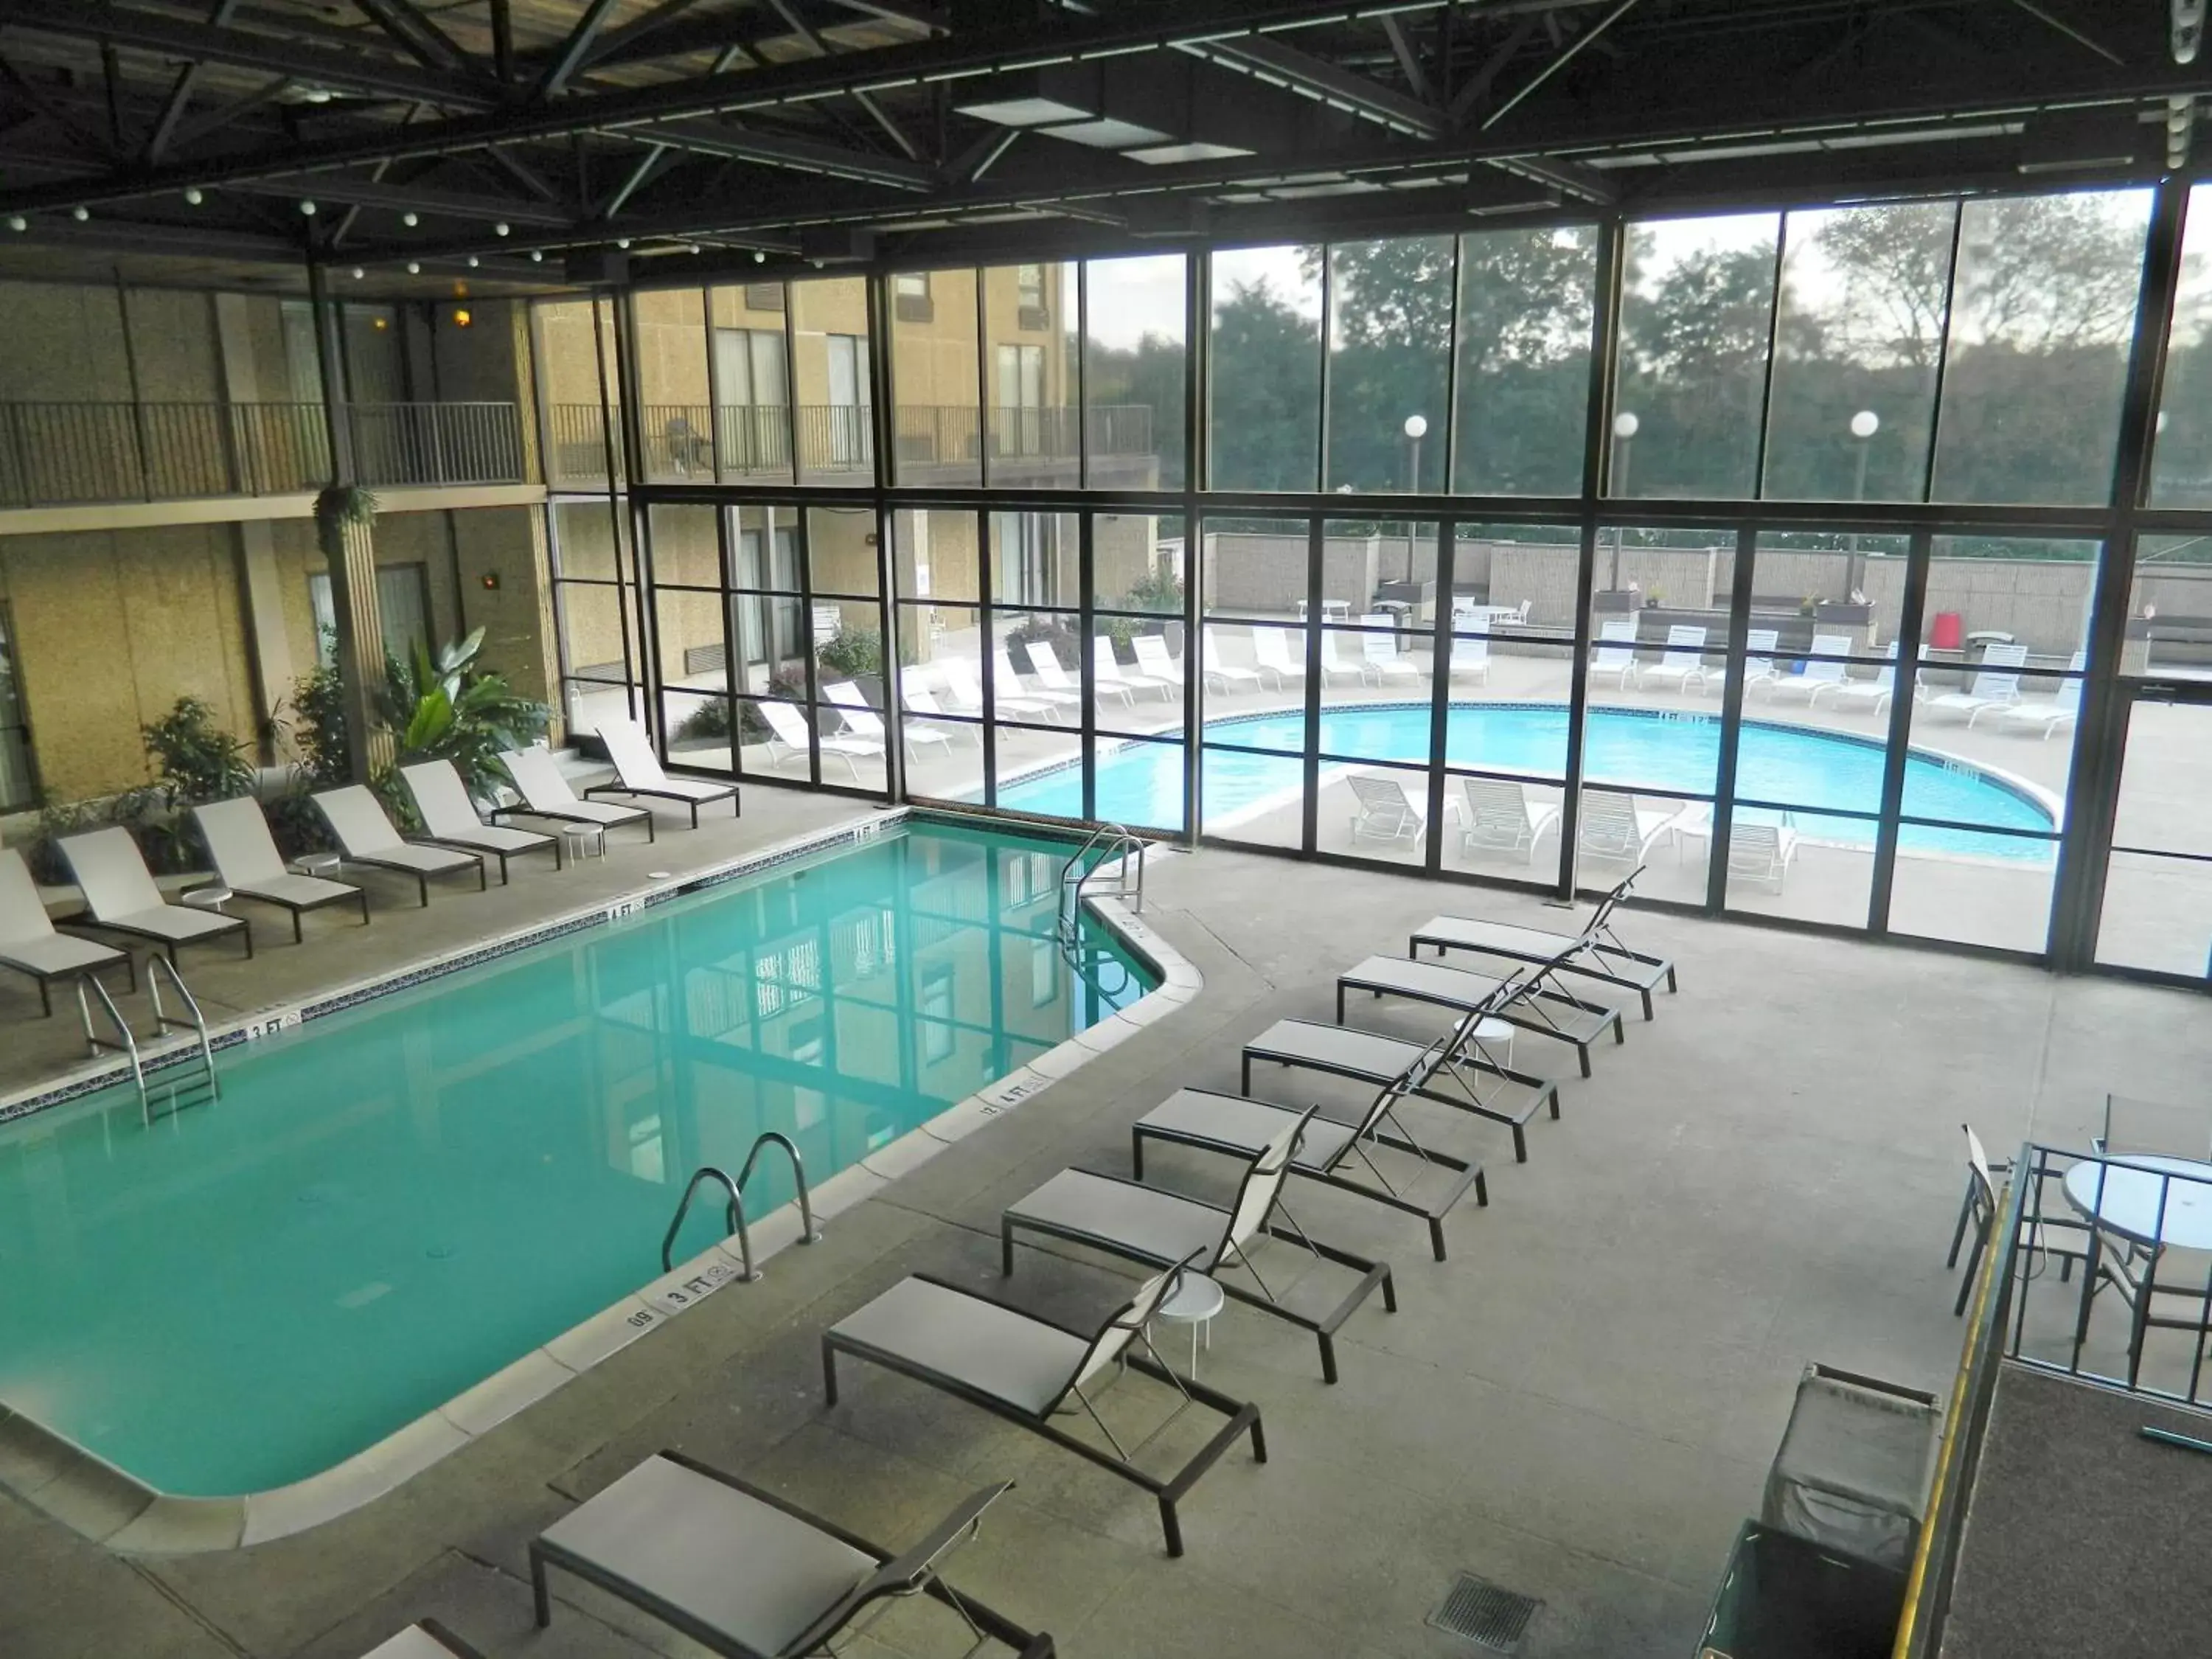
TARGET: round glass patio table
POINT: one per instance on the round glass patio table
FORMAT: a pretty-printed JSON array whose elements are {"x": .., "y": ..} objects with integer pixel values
[{"x": 2123, "y": 1197}]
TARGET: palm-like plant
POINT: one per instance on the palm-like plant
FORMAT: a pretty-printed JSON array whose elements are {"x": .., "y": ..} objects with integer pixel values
[{"x": 443, "y": 708}]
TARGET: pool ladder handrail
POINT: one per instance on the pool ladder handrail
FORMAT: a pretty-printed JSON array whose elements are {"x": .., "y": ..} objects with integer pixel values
[
  {"x": 808, "y": 1233},
  {"x": 122, "y": 1042},
  {"x": 159, "y": 967},
  {"x": 1120, "y": 842}
]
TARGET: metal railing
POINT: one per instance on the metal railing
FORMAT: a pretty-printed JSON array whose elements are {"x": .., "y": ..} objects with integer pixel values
[
  {"x": 735, "y": 1213},
  {"x": 56, "y": 454},
  {"x": 1074, "y": 875}
]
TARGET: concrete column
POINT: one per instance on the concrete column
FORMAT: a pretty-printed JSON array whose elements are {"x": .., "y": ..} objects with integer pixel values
[
  {"x": 360, "y": 647},
  {"x": 269, "y": 652}
]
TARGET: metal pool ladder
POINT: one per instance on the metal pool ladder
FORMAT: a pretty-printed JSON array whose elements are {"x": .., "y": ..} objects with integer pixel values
[
  {"x": 1128, "y": 881},
  {"x": 195, "y": 1082},
  {"x": 808, "y": 1233}
]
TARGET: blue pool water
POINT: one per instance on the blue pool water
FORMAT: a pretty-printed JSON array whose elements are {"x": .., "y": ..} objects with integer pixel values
[
  {"x": 1815, "y": 772},
  {"x": 389, "y": 1205}
]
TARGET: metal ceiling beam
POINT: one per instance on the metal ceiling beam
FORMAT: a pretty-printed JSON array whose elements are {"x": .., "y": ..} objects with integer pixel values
[
  {"x": 1402, "y": 49},
  {"x": 180, "y": 92},
  {"x": 774, "y": 150},
  {"x": 418, "y": 198},
  {"x": 1272, "y": 61},
  {"x": 423, "y": 40},
  {"x": 573, "y": 50}
]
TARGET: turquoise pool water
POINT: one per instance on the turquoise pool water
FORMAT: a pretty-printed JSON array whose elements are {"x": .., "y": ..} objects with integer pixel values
[
  {"x": 392, "y": 1203},
  {"x": 1815, "y": 773}
]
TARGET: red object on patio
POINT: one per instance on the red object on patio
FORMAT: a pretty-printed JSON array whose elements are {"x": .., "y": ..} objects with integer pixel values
[{"x": 1945, "y": 636}]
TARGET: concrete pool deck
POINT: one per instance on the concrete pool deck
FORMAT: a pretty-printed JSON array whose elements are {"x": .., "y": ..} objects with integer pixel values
[{"x": 1578, "y": 1405}]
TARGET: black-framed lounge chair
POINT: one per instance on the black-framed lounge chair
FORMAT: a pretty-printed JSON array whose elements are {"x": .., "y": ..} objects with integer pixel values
[
  {"x": 30, "y": 944},
  {"x": 638, "y": 772},
  {"x": 427, "y": 1640},
  {"x": 1326, "y": 1148},
  {"x": 449, "y": 818},
  {"x": 1543, "y": 1006},
  {"x": 1159, "y": 1229},
  {"x": 538, "y": 777},
  {"x": 746, "y": 1574},
  {"x": 1376, "y": 1057},
  {"x": 1028, "y": 1369},
  {"x": 1599, "y": 952},
  {"x": 247, "y": 859},
  {"x": 121, "y": 895},
  {"x": 365, "y": 836}
]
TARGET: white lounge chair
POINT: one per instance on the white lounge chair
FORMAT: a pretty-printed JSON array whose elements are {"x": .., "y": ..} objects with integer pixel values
[
  {"x": 1615, "y": 654},
  {"x": 546, "y": 794},
  {"x": 1824, "y": 670},
  {"x": 1383, "y": 664},
  {"x": 1683, "y": 661},
  {"x": 1501, "y": 819},
  {"x": 1384, "y": 811},
  {"x": 1108, "y": 674},
  {"x": 1162, "y": 666},
  {"x": 638, "y": 772},
  {"x": 868, "y": 725},
  {"x": 963, "y": 692},
  {"x": 364, "y": 836},
  {"x": 1224, "y": 676},
  {"x": 1543, "y": 1005},
  {"x": 922, "y": 702},
  {"x": 449, "y": 818},
  {"x": 2044, "y": 715},
  {"x": 1273, "y": 653},
  {"x": 1761, "y": 851},
  {"x": 1867, "y": 696},
  {"x": 1333, "y": 661},
  {"x": 1597, "y": 952},
  {"x": 246, "y": 857},
  {"x": 1614, "y": 825},
  {"x": 1470, "y": 658},
  {"x": 1995, "y": 685},
  {"x": 121, "y": 895},
  {"x": 1759, "y": 646},
  {"x": 30, "y": 945},
  {"x": 788, "y": 733},
  {"x": 747, "y": 1574},
  {"x": 1056, "y": 680},
  {"x": 1040, "y": 701}
]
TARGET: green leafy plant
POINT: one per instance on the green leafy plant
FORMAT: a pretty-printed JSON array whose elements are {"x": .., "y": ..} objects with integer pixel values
[
  {"x": 448, "y": 708},
  {"x": 709, "y": 722},
  {"x": 139, "y": 810},
  {"x": 1158, "y": 589},
  {"x": 850, "y": 654},
  {"x": 194, "y": 759},
  {"x": 319, "y": 729}
]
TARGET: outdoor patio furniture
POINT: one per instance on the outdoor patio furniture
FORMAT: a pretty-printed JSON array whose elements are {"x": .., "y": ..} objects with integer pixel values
[
  {"x": 1615, "y": 654},
  {"x": 1501, "y": 819},
  {"x": 364, "y": 836},
  {"x": 1823, "y": 670},
  {"x": 1995, "y": 685},
  {"x": 1273, "y": 651},
  {"x": 449, "y": 818},
  {"x": 1758, "y": 648},
  {"x": 1159, "y": 1229},
  {"x": 1871, "y": 696},
  {"x": 121, "y": 895},
  {"x": 1470, "y": 658},
  {"x": 922, "y": 702},
  {"x": 546, "y": 794},
  {"x": 1761, "y": 851},
  {"x": 30, "y": 945},
  {"x": 1383, "y": 809},
  {"x": 2061, "y": 1235},
  {"x": 1543, "y": 1006},
  {"x": 747, "y": 1574},
  {"x": 868, "y": 726},
  {"x": 966, "y": 692},
  {"x": 1161, "y": 665},
  {"x": 1382, "y": 665},
  {"x": 1044, "y": 698},
  {"x": 1335, "y": 662},
  {"x": 1599, "y": 952},
  {"x": 1615, "y": 825},
  {"x": 1108, "y": 674},
  {"x": 1058, "y": 682},
  {"x": 2132, "y": 1126},
  {"x": 789, "y": 733},
  {"x": 638, "y": 772},
  {"x": 2142, "y": 1209},
  {"x": 1026, "y": 1368},
  {"x": 1220, "y": 676},
  {"x": 247, "y": 859},
  {"x": 2044, "y": 715},
  {"x": 1683, "y": 661}
]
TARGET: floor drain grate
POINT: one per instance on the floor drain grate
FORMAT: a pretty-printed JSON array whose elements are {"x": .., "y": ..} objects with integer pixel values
[{"x": 1482, "y": 1612}]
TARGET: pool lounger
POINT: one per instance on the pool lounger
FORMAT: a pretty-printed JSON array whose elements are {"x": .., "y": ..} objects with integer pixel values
[
  {"x": 1159, "y": 1229},
  {"x": 1026, "y": 1368},
  {"x": 745, "y": 1574},
  {"x": 30, "y": 945},
  {"x": 248, "y": 863},
  {"x": 1374, "y": 1057},
  {"x": 365, "y": 836},
  {"x": 638, "y": 772},
  {"x": 427, "y": 1640},
  {"x": 1598, "y": 951},
  {"x": 1327, "y": 1148},
  {"x": 121, "y": 895},
  {"x": 546, "y": 794},
  {"x": 1578, "y": 1022},
  {"x": 449, "y": 818}
]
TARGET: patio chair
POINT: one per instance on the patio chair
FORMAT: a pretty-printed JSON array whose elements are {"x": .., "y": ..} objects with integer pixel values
[
  {"x": 1995, "y": 685},
  {"x": 1762, "y": 852},
  {"x": 1500, "y": 819},
  {"x": 747, "y": 1574},
  {"x": 963, "y": 690},
  {"x": 1821, "y": 671},
  {"x": 364, "y": 836},
  {"x": 1108, "y": 674},
  {"x": 1335, "y": 662},
  {"x": 1616, "y": 655},
  {"x": 1326, "y": 1151},
  {"x": 1470, "y": 658},
  {"x": 1165, "y": 670},
  {"x": 122, "y": 898},
  {"x": 247, "y": 859},
  {"x": 545, "y": 791},
  {"x": 1272, "y": 654},
  {"x": 1872, "y": 696},
  {"x": 2044, "y": 715},
  {"x": 1379, "y": 651},
  {"x": 1383, "y": 812},
  {"x": 1682, "y": 661},
  {"x": 1045, "y": 662},
  {"x": 1223, "y": 676},
  {"x": 428, "y": 1639},
  {"x": 1758, "y": 648},
  {"x": 2145, "y": 1272},
  {"x": 638, "y": 772},
  {"x": 1543, "y": 1006},
  {"x": 1614, "y": 826},
  {"x": 30, "y": 945},
  {"x": 922, "y": 702},
  {"x": 1044, "y": 699},
  {"x": 789, "y": 733},
  {"x": 1376, "y": 1057},
  {"x": 1599, "y": 951},
  {"x": 2147, "y": 1129},
  {"x": 1158, "y": 1229},
  {"x": 449, "y": 818},
  {"x": 1026, "y": 1368},
  {"x": 868, "y": 726},
  {"x": 2064, "y": 1236}
]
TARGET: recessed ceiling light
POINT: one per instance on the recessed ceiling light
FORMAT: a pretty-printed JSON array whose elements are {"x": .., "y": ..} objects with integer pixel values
[
  {"x": 691, "y": 247},
  {"x": 80, "y": 214},
  {"x": 499, "y": 229},
  {"x": 537, "y": 256},
  {"x": 760, "y": 256},
  {"x": 473, "y": 262},
  {"x": 410, "y": 219},
  {"x": 17, "y": 221},
  {"x": 308, "y": 208},
  {"x": 194, "y": 195},
  {"x": 622, "y": 241},
  {"x": 414, "y": 267},
  {"x": 358, "y": 273}
]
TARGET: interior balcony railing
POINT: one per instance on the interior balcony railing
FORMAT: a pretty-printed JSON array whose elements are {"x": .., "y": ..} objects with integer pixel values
[{"x": 57, "y": 454}]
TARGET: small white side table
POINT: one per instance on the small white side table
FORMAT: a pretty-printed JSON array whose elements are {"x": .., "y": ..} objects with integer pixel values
[
  {"x": 585, "y": 841},
  {"x": 1195, "y": 1301},
  {"x": 316, "y": 864},
  {"x": 209, "y": 898}
]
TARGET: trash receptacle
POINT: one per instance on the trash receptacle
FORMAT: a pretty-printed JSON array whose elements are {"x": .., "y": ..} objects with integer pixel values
[
  {"x": 1784, "y": 1598},
  {"x": 1946, "y": 633}
]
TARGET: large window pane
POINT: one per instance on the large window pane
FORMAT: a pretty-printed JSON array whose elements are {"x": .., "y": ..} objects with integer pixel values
[
  {"x": 1857, "y": 347},
  {"x": 830, "y": 338},
  {"x": 2042, "y": 309},
  {"x": 2168, "y": 602},
  {"x": 2158, "y": 889},
  {"x": 687, "y": 551},
  {"x": 1139, "y": 782},
  {"x": 1029, "y": 375},
  {"x": 938, "y": 423},
  {"x": 585, "y": 541},
  {"x": 752, "y": 381},
  {"x": 2181, "y": 462},
  {"x": 676, "y": 415},
  {"x": 935, "y": 555},
  {"x": 1134, "y": 362},
  {"x": 1525, "y": 308},
  {"x": 570, "y": 346},
  {"x": 1036, "y": 558},
  {"x": 1390, "y": 370},
  {"x": 841, "y": 550},
  {"x": 1694, "y": 315},
  {"x": 1264, "y": 404}
]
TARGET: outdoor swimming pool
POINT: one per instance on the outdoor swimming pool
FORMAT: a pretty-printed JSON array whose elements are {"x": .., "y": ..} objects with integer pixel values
[
  {"x": 1816, "y": 773},
  {"x": 393, "y": 1202}
]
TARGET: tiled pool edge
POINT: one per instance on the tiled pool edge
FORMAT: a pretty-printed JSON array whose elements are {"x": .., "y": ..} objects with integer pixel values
[{"x": 92, "y": 1497}]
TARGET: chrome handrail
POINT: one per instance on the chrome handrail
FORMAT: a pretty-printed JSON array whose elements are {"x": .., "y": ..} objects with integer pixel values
[
  {"x": 808, "y": 1234},
  {"x": 128, "y": 1046},
  {"x": 159, "y": 967},
  {"x": 1119, "y": 843}
]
